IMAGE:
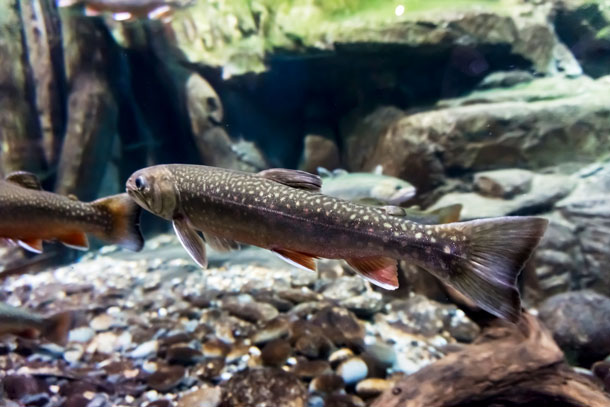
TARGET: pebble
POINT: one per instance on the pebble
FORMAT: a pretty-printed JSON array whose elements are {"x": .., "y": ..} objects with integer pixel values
[
  {"x": 203, "y": 397},
  {"x": 326, "y": 384},
  {"x": 18, "y": 386},
  {"x": 276, "y": 352},
  {"x": 352, "y": 370},
  {"x": 340, "y": 326},
  {"x": 102, "y": 322},
  {"x": 74, "y": 353},
  {"x": 183, "y": 355},
  {"x": 266, "y": 387},
  {"x": 215, "y": 348},
  {"x": 160, "y": 403},
  {"x": 372, "y": 386},
  {"x": 166, "y": 378},
  {"x": 308, "y": 369},
  {"x": 344, "y": 288},
  {"x": 340, "y": 355},
  {"x": 246, "y": 308},
  {"x": 343, "y": 400},
  {"x": 82, "y": 334},
  {"x": 210, "y": 369},
  {"x": 271, "y": 330},
  {"x": 145, "y": 350}
]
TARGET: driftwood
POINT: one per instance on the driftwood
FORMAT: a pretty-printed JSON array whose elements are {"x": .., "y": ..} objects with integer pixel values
[{"x": 509, "y": 365}]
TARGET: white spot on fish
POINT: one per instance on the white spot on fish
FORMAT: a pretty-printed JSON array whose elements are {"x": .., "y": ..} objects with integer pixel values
[
  {"x": 447, "y": 249},
  {"x": 418, "y": 235}
]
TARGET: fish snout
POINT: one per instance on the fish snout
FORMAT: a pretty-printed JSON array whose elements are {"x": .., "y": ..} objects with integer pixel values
[{"x": 402, "y": 195}]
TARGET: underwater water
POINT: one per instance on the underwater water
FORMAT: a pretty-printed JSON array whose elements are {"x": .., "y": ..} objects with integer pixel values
[{"x": 304, "y": 203}]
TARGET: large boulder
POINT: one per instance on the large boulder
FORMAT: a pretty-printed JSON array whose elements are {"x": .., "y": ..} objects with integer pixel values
[
  {"x": 580, "y": 323},
  {"x": 510, "y": 130}
]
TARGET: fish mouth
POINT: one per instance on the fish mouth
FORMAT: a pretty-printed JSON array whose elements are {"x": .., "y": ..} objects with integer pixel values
[{"x": 401, "y": 196}]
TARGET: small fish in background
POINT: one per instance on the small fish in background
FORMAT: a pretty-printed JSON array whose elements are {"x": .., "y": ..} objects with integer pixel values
[
  {"x": 366, "y": 187},
  {"x": 129, "y": 10},
  {"x": 283, "y": 210},
  {"x": 28, "y": 324},
  {"x": 29, "y": 215},
  {"x": 445, "y": 214}
]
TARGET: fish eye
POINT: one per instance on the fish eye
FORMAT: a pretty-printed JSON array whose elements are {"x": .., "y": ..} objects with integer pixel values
[
  {"x": 398, "y": 187},
  {"x": 140, "y": 183}
]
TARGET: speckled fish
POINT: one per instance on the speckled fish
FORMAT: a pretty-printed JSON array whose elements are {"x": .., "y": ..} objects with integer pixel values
[
  {"x": 367, "y": 187},
  {"x": 126, "y": 10},
  {"x": 27, "y": 324},
  {"x": 283, "y": 211},
  {"x": 445, "y": 214},
  {"x": 29, "y": 215}
]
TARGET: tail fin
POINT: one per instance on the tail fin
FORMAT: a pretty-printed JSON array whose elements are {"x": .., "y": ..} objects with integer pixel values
[
  {"x": 57, "y": 327},
  {"x": 496, "y": 251},
  {"x": 448, "y": 214},
  {"x": 125, "y": 221}
]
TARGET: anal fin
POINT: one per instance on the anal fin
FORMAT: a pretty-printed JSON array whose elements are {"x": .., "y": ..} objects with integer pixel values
[
  {"x": 32, "y": 245},
  {"x": 297, "y": 259},
  {"x": 380, "y": 271},
  {"x": 76, "y": 240},
  {"x": 191, "y": 241}
]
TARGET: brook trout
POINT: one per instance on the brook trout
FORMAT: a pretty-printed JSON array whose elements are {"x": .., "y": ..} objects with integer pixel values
[
  {"x": 367, "y": 187},
  {"x": 29, "y": 215},
  {"x": 27, "y": 324},
  {"x": 283, "y": 211}
]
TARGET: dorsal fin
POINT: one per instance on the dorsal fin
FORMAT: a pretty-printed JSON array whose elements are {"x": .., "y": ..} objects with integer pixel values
[
  {"x": 293, "y": 178},
  {"x": 24, "y": 179},
  {"x": 378, "y": 170}
]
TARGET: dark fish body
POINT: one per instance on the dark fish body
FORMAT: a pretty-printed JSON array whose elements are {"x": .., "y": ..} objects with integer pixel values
[
  {"x": 29, "y": 215},
  {"x": 368, "y": 187},
  {"x": 20, "y": 322},
  {"x": 281, "y": 210}
]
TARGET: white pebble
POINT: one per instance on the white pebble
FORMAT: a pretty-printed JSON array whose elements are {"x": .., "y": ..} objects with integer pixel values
[
  {"x": 353, "y": 370},
  {"x": 145, "y": 350},
  {"x": 82, "y": 334}
]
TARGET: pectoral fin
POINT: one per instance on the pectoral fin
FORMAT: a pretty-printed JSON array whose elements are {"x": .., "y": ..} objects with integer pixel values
[
  {"x": 297, "y": 259},
  {"x": 32, "y": 245},
  {"x": 293, "y": 178},
  {"x": 191, "y": 241},
  {"x": 380, "y": 271},
  {"x": 24, "y": 179},
  {"x": 76, "y": 240},
  {"x": 220, "y": 244}
]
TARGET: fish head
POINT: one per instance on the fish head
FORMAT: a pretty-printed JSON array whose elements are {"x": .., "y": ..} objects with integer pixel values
[
  {"x": 392, "y": 190},
  {"x": 154, "y": 189}
]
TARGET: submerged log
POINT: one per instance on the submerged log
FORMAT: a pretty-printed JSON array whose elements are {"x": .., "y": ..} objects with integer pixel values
[
  {"x": 92, "y": 107},
  {"x": 509, "y": 365},
  {"x": 20, "y": 136},
  {"x": 42, "y": 33}
]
